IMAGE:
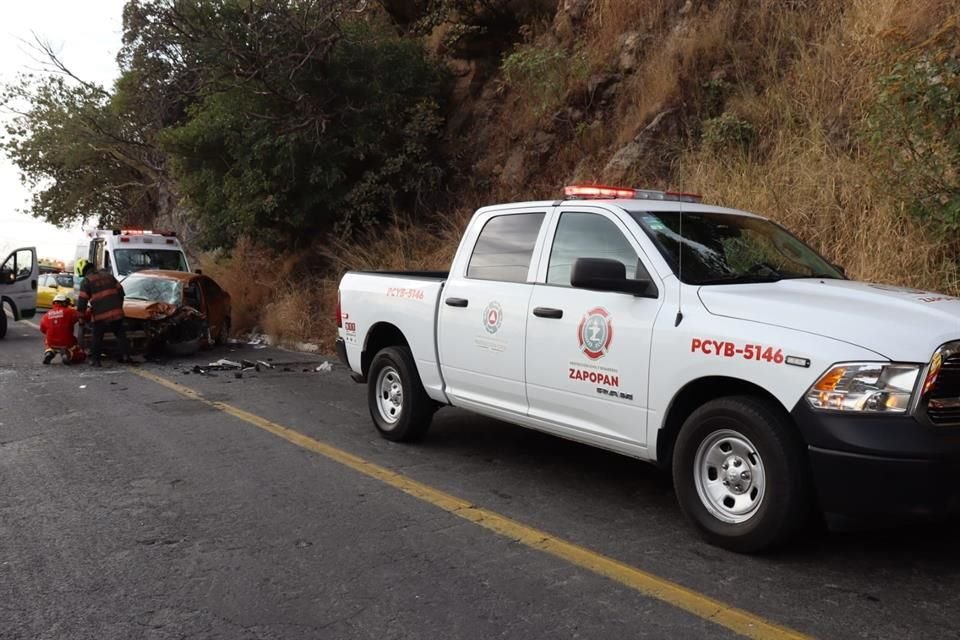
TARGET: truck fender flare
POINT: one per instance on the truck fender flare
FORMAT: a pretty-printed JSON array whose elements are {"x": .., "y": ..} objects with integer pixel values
[
  {"x": 695, "y": 393},
  {"x": 380, "y": 336}
]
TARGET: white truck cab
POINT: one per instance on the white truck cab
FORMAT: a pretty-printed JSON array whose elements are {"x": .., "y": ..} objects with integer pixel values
[
  {"x": 19, "y": 273},
  {"x": 707, "y": 340},
  {"x": 124, "y": 251}
]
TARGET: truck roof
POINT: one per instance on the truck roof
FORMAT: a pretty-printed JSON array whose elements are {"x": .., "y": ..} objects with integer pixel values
[{"x": 627, "y": 204}]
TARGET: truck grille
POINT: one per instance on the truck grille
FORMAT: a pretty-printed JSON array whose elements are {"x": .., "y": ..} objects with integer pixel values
[{"x": 943, "y": 401}]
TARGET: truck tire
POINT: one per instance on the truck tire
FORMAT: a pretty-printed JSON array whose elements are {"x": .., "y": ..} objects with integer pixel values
[
  {"x": 740, "y": 473},
  {"x": 400, "y": 408},
  {"x": 3, "y": 322}
]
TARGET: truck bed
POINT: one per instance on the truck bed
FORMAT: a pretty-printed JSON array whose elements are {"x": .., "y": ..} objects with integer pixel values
[{"x": 372, "y": 302}]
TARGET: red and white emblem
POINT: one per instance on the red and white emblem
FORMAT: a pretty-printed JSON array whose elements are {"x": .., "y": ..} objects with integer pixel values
[{"x": 595, "y": 333}]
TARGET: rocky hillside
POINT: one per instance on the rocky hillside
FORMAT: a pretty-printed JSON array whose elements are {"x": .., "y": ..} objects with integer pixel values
[{"x": 835, "y": 117}]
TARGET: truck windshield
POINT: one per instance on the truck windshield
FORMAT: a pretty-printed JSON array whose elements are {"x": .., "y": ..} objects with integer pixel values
[
  {"x": 152, "y": 289},
  {"x": 723, "y": 248},
  {"x": 130, "y": 260}
]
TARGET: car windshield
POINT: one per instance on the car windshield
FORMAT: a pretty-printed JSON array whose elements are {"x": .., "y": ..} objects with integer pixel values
[
  {"x": 723, "y": 248},
  {"x": 153, "y": 289},
  {"x": 65, "y": 280},
  {"x": 131, "y": 260}
]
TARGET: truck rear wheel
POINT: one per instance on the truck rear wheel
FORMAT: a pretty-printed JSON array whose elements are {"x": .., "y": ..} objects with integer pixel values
[
  {"x": 400, "y": 408},
  {"x": 740, "y": 474}
]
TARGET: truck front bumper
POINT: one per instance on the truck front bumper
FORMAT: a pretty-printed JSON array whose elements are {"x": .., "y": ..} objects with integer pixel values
[{"x": 867, "y": 466}]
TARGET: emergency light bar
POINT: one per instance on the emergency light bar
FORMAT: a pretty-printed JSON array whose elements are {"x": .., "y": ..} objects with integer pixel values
[
  {"x": 144, "y": 232},
  {"x": 99, "y": 233},
  {"x": 600, "y": 192}
]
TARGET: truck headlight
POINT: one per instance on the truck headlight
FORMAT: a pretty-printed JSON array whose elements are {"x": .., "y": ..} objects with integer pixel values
[{"x": 869, "y": 387}]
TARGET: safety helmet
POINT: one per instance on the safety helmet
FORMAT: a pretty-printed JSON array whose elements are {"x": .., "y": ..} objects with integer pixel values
[{"x": 61, "y": 298}]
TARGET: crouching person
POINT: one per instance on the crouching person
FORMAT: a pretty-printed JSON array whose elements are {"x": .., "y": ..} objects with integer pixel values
[{"x": 57, "y": 328}]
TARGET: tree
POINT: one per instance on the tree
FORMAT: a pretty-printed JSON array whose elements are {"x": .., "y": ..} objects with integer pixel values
[
  {"x": 281, "y": 119},
  {"x": 82, "y": 158}
]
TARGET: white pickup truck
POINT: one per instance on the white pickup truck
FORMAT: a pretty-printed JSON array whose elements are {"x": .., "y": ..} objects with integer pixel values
[{"x": 707, "y": 340}]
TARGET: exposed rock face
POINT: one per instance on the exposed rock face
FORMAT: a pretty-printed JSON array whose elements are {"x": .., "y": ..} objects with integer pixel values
[
  {"x": 644, "y": 149},
  {"x": 629, "y": 45},
  {"x": 514, "y": 170}
]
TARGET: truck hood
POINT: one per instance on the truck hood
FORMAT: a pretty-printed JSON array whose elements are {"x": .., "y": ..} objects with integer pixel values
[
  {"x": 904, "y": 325},
  {"x": 147, "y": 309}
]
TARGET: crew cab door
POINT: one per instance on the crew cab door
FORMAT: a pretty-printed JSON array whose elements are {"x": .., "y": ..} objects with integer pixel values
[
  {"x": 588, "y": 352},
  {"x": 482, "y": 322},
  {"x": 19, "y": 274}
]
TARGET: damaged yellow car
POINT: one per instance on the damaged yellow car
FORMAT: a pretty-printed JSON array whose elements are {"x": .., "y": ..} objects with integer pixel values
[{"x": 174, "y": 310}]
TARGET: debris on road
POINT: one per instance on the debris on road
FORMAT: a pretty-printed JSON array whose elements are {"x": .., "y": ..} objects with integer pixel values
[{"x": 243, "y": 366}]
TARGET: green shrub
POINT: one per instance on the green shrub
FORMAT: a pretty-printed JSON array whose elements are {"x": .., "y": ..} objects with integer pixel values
[
  {"x": 543, "y": 75},
  {"x": 728, "y": 132},
  {"x": 914, "y": 128}
]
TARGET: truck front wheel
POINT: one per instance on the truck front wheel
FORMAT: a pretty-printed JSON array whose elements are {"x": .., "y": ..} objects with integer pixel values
[
  {"x": 740, "y": 474},
  {"x": 400, "y": 408}
]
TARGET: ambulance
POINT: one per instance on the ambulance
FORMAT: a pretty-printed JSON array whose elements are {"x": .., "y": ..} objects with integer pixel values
[{"x": 125, "y": 251}]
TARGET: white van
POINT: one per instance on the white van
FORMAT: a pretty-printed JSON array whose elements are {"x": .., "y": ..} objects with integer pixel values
[{"x": 19, "y": 274}]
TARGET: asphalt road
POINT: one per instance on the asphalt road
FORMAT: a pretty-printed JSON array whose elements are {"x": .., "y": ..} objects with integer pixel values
[{"x": 132, "y": 509}]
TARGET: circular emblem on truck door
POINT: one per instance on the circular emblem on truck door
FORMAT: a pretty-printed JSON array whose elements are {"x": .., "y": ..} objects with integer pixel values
[
  {"x": 492, "y": 317},
  {"x": 595, "y": 333}
]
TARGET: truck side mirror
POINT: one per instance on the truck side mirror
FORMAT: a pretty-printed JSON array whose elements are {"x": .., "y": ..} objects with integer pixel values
[{"x": 601, "y": 274}]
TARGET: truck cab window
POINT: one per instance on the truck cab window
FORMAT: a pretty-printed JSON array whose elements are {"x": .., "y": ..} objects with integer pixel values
[
  {"x": 589, "y": 235},
  {"x": 505, "y": 247}
]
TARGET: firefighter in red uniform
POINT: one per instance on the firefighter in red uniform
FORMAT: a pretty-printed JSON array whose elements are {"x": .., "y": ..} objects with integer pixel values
[{"x": 57, "y": 328}]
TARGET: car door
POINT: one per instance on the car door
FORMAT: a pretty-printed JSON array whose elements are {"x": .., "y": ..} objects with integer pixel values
[
  {"x": 46, "y": 289},
  {"x": 213, "y": 304},
  {"x": 19, "y": 275},
  {"x": 588, "y": 351},
  {"x": 482, "y": 323}
]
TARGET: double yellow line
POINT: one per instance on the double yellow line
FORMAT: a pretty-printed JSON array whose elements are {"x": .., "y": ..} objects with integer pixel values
[{"x": 700, "y": 605}]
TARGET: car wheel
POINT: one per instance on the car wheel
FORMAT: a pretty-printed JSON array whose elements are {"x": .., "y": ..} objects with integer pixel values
[
  {"x": 223, "y": 332},
  {"x": 740, "y": 474},
  {"x": 3, "y": 321},
  {"x": 400, "y": 407},
  {"x": 206, "y": 336}
]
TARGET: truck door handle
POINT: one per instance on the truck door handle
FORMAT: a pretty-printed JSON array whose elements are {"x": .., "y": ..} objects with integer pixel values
[
  {"x": 548, "y": 312},
  {"x": 457, "y": 302}
]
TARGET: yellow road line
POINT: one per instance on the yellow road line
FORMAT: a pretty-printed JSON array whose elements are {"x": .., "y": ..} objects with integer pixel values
[{"x": 648, "y": 584}]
